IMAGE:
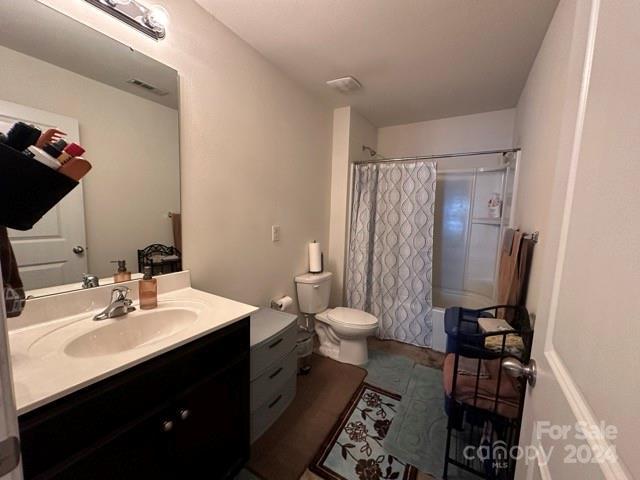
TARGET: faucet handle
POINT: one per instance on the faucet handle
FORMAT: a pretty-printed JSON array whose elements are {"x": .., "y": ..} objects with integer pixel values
[
  {"x": 90, "y": 281},
  {"x": 119, "y": 293}
]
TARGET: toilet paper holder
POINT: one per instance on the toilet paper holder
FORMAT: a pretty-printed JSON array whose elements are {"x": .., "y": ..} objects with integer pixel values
[{"x": 281, "y": 303}]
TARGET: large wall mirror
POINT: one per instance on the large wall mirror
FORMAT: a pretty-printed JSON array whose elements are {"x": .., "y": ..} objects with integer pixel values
[{"x": 122, "y": 107}]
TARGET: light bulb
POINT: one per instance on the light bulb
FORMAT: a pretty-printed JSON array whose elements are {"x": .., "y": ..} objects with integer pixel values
[{"x": 157, "y": 18}]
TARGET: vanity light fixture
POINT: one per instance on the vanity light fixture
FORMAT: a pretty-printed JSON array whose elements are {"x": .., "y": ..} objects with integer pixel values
[{"x": 150, "y": 20}]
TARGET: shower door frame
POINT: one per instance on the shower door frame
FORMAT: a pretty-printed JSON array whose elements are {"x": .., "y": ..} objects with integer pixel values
[{"x": 470, "y": 218}]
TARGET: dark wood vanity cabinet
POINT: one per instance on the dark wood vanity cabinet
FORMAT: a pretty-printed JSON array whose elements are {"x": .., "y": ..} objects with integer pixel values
[{"x": 184, "y": 414}]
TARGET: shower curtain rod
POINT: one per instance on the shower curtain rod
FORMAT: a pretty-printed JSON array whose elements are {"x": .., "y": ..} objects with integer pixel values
[{"x": 373, "y": 153}]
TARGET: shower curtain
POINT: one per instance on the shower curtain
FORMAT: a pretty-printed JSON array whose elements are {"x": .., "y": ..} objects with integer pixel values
[{"x": 390, "y": 252}]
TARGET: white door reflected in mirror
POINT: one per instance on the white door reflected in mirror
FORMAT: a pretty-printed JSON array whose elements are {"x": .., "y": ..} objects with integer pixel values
[{"x": 46, "y": 254}]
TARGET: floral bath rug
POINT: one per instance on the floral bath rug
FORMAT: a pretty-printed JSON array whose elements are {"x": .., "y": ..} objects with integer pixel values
[{"x": 354, "y": 449}]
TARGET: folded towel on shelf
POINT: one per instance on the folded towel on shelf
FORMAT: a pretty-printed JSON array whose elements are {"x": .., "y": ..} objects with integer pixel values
[
  {"x": 513, "y": 344},
  {"x": 469, "y": 366},
  {"x": 493, "y": 325}
]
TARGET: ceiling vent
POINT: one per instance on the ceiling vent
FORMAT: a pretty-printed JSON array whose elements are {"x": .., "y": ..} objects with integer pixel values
[
  {"x": 345, "y": 84},
  {"x": 147, "y": 87}
]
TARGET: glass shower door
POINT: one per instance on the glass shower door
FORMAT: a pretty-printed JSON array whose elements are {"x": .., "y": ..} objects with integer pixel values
[
  {"x": 486, "y": 225},
  {"x": 451, "y": 232},
  {"x": 467, "y": 234}
]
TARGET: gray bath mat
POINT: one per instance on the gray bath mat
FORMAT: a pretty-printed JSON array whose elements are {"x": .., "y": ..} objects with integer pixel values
[
  {"x": 388, "y": 371},
  {"x": 418, "y": 433}
]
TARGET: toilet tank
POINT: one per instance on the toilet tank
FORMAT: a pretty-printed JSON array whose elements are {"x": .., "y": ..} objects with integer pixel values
[{"x": 313, "y": 291}]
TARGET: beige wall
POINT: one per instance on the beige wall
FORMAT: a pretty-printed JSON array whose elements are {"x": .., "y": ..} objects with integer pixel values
[
  {"x": 255, "y": 151},
  {"x": 545, "y": 121},
  {"x": 350, "y": 131},
  {"x": 545, "y": 125},
  {"x": 339, "y": 201},
  {"x": 132, "y": 144},
  {"x": 481, "y": 131}
]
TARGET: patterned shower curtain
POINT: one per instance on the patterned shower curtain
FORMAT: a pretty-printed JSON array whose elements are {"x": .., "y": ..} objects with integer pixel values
[{"x": 390, "y": 257}]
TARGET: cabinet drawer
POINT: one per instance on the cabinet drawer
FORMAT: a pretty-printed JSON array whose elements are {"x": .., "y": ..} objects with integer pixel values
[
  {"x": 273, "y": 380},
  {"x": 269, "y": 352},
  {"x": 270, "y": 411}
]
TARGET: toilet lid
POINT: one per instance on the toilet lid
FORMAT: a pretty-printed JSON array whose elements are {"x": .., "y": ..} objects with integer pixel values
[{"x": 351, "y": 316}]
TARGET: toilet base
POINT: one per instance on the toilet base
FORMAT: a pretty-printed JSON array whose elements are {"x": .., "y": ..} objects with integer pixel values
[{"x": 352, "y": 351}]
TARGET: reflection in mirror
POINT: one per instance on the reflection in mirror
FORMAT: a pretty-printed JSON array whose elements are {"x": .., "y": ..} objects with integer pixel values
[{"x": 122, "y": 107}]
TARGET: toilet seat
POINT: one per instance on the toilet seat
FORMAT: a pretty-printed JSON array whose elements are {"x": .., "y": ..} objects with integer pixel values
[{"x": 352, "y": 317}]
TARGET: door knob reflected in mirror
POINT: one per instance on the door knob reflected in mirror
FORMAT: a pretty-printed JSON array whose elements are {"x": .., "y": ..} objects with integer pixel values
[
  {"x": 167, "y": 426},
  {"x": 78, "y": 249},
  {"x": 515, "y": 368}
]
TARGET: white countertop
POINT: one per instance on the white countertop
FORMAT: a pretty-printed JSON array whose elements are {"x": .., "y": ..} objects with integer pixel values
[{"x": 43, "y": 372}]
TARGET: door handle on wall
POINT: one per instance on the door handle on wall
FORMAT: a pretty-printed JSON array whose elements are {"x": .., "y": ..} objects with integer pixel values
[{"x": 78, "y": 249}]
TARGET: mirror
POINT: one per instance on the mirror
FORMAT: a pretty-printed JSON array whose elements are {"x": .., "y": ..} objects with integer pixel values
[{"x": 122, "y": 108}]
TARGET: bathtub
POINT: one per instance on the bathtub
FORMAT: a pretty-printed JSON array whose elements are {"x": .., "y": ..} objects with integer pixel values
[{"x": 443, "y": 299}]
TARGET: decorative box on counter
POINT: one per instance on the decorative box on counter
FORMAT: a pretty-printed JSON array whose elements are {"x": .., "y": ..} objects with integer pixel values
[{"x": 28, "y": 189}]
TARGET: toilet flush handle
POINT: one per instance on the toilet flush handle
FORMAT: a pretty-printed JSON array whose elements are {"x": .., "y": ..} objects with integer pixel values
[{"x": 316, "y": 286}]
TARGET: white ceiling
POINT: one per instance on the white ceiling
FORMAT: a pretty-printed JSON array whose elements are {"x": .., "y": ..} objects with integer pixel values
[{"x": 417, "y": 59}]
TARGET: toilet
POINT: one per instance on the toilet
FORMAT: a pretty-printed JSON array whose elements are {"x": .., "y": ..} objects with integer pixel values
[{"x": 342, "y": 331}]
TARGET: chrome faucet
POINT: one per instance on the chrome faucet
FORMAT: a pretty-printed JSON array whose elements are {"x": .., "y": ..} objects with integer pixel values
[
  {"x": 90, "y": 281},
  {"x": 120, "y": 305}
]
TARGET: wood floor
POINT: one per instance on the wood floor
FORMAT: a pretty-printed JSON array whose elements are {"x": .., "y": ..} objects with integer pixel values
[{"x": 423, "y": 356}]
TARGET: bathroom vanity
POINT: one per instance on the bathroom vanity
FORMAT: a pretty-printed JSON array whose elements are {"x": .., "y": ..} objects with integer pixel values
[{"x": 162, "y": 393}]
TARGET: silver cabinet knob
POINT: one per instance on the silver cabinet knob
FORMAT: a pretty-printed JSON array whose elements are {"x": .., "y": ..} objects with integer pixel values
[
  {"x": 184, "y": 413},
  {"x": 167, "y": 426},
  {"x": 78, "y": 249},
  {"x": 515, "y": 368}
]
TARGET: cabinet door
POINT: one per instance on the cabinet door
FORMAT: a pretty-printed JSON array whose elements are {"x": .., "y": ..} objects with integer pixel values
[
  {"x": 140, "y": 450},
  {"x": 212, "y": 430}
]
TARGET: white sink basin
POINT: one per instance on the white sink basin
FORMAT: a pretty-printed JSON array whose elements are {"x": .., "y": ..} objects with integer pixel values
[
  {"x": 86, "y": 338},
  {"x": 131, "y": 332}
]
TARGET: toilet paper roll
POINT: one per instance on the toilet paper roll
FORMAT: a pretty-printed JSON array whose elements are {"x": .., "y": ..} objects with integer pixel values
[
  {"x": 315, "y": 258},
  {"x": 283, "y": 303}
]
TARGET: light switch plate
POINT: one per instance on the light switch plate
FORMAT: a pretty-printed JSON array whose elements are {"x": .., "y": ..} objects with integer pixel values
[{"x": 275, "y": 233}]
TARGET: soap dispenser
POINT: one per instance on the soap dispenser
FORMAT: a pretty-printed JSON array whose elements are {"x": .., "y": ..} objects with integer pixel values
[
  {"x": 148, "y": 290},
  {"x": 122, "y": 275}
]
